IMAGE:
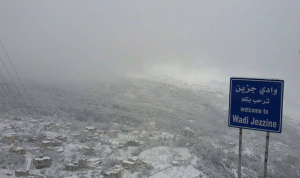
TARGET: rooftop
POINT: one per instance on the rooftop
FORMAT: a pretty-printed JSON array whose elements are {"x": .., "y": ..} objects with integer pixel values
[{"x": 43, "y": 158}]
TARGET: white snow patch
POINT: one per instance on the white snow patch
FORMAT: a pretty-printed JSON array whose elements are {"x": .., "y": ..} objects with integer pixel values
[
  {"x": 176, "y": 172},
  {"x": 161, "y": 157}
]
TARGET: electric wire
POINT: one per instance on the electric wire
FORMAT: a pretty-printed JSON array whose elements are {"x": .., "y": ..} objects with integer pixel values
[
  {"x": 14, "y": 83},
  {"x": 3, "y": 103},
  {"x": 10, "y": 91},
  {"x": 31, "y": 102},
  {"x": 14, "y": 98},
  {"x": 5, "y": 92}
]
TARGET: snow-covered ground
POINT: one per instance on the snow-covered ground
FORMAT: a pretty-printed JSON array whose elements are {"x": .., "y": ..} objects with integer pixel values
[
  {"x": 172, "y": 106},
  {"x": 179, "y": 172},
  {"x": 161, "y": 158}
]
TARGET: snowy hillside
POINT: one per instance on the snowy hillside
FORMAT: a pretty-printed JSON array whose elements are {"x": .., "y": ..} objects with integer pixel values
[{"x": 173, "y": 105}]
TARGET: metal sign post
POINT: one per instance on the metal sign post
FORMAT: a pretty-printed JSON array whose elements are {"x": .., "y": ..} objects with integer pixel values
[
  {"x": 255, "y": 104},
  {"x": 240, "y": 154},
  {"x": 266, "y": 154}
]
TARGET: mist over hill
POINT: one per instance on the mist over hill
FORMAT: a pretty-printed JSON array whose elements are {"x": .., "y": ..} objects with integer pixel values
[{"x": 163, "y": 100}]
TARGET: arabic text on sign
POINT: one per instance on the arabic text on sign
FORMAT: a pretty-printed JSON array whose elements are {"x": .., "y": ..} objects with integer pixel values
[
  {"x": 247, "y": 99},
  {"x": 262, "y": 91}
]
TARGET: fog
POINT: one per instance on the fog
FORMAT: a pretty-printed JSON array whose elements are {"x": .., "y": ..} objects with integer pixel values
[
  {"x": 194, "y": 41},
  {"x": 113, "y": 79}
]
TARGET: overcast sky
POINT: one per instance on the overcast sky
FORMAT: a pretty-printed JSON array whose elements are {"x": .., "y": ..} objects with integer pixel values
[{"x": 190, "y": 40}]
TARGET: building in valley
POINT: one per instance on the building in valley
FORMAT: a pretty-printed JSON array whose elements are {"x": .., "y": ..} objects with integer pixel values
[
  {"x": 42, "y": 162},
  {"x": 21, "y": 173},
  {"x": 148, "y": 126},
  {"x": 188, "y": 132},
  {"x": 87, "y": 151},
  {"x": 115, "y": 172},
  {"x": 112, "y": 133},
  {"x": 11, "y": 137},
  {"x": 18, "y": 150}
]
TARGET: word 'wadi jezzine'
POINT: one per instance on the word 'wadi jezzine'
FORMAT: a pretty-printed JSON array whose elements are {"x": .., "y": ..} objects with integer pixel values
[{"x": 245, "y": 120}]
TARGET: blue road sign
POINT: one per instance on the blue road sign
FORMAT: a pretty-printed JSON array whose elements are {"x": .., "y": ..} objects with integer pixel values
[{"x": 256, "y": 104}]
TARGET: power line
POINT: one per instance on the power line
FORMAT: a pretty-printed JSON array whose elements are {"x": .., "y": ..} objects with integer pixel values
[
  {"x": 8, "y": 88},
  {"x": 7, "y": 94},
  {"x": 17, "y": 75},
  {"x": 3, "y": 103},
  {"x": 14, "y": 83},
  {"x": 10, "y": 91}
]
